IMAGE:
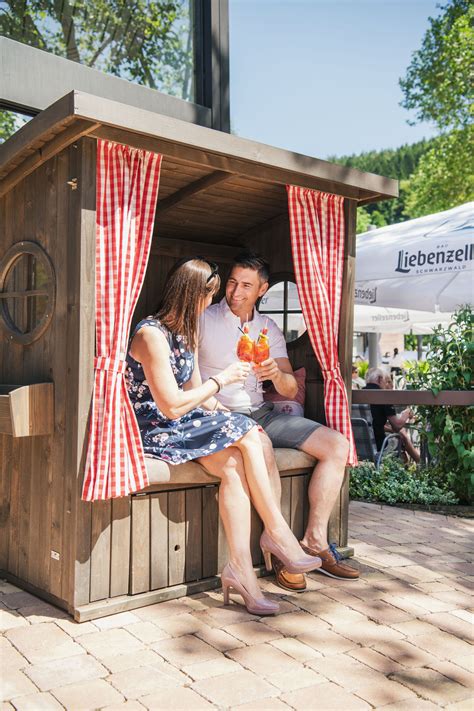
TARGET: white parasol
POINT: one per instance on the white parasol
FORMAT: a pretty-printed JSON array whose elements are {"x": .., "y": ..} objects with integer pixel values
[
  {"x": 426, "y": 263},
  {"x": 376, "y": 319}
]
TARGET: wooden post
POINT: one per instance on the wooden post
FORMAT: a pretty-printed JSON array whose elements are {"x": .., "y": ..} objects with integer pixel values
[
  {"x": 339, "y": 516},
  {"x": 80, "y": 232}
]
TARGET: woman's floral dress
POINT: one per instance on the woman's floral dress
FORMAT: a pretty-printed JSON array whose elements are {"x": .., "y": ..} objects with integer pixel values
[{"x": 195, "y": 434}]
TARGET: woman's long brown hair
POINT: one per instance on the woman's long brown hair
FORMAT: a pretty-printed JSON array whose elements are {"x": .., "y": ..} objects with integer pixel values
[{"x": 186, "y": 285}]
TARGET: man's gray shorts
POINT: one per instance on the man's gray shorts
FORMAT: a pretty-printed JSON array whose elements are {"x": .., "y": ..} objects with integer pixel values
[{"x": 284, "y": 430}]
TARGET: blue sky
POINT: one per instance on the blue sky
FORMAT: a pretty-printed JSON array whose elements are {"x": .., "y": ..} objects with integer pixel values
[{"x": 321, "y": 76}]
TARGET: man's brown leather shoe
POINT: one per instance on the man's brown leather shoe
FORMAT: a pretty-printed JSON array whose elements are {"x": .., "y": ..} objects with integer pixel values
[
  {"x": 332, "y": 563},
  {"x": 295, "y": 582}
]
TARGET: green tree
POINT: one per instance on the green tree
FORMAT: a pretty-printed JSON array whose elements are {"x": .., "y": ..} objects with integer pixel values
[
  {"x": 444, "y": 177},
  {"x": 139, "y": 40},
  {"x": 437, "y": 86},
  {"x": 363, "y": 220},
  {"x": 438, "y": 82},
  {"x": 7, "y": 125},
  {"x": 10, "y": 123},
  {"x": 399, "y": 163}
]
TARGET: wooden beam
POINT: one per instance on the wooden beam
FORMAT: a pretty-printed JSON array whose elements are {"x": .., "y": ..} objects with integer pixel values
[
  {"x": 170, "y": 247},
  {"x": 454, "y": 398},
  {"x": 75, "y": 131},
  {"x": 56, "y": 115},
  {"x": 338, "y": 529},
  {"x": 367, "y": 199},
  {"x": 215, "y": 149},
  {"x": 198, "y": 186},
  {"x": 257, "y": 156},
  {"x": 346, "y": 319},
  {"x": 252, "y": 170}
]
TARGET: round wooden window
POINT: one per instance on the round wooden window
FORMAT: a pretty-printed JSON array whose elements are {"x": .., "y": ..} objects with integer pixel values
[{"x": 27, "y": 292}]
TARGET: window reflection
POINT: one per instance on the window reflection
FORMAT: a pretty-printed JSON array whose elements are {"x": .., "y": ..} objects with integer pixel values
[
  {"x": 293, "y": 298},
  {"x": 149, "y": 43},
  {"x": 282, "y": 304},
  {"x": 273, "y": 299},
  {"x": 295, "y": 326},
  {"x": 10, "y": 123}
]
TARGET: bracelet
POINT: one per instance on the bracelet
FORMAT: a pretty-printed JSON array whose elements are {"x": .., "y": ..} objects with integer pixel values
[{"x": 217, "y": 382}]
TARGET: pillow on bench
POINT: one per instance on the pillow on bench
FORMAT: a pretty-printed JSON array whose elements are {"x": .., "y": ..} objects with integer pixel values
[{"x": 282, "y": 404}]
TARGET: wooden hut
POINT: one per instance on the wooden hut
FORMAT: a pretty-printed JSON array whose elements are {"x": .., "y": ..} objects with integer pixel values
[{"x": 217, "y": 193}]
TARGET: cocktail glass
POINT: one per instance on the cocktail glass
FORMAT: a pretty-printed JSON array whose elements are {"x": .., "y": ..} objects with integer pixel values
[
  {"x": 245, "y": 348},
  {"x": 261, "y": 351}
]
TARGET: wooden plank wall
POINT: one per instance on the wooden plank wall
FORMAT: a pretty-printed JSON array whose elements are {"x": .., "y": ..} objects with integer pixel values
[
  {"x": 177, "y": 536},
  {"x": 34, "y": 522},
  {"x": 174, "y": 537}
]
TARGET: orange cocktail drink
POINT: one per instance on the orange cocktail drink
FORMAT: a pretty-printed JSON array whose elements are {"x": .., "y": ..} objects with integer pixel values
[
  {"x": 261, "y": 349},
  {"x": 245, "y": 346}
]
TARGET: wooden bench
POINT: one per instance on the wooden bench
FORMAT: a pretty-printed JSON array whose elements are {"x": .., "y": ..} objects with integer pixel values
[
  {"x": 289, "y": 461},
  {"x": 176, "y": 544}
]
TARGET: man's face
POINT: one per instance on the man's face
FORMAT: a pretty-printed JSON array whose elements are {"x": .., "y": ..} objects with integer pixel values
[{"x": 242, "y": 290}]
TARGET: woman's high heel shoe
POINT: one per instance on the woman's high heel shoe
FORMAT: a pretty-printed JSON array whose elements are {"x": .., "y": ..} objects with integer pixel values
[
  {"x": 303, "y": 565},
  {"x": 262, "y": 606}
]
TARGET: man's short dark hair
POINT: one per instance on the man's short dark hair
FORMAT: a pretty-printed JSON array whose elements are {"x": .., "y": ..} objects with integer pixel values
[{"x": 252, "y": 260}]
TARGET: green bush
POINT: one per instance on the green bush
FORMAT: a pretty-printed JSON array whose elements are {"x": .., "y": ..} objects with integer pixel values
[
  {"x": 362, "y": 367},
  {"x": 449, "y": 431},
  {"x": 393, "y": 483}
]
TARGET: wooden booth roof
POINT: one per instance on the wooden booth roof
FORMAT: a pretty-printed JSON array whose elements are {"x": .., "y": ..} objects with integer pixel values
[{"x": 213, "y": 185}]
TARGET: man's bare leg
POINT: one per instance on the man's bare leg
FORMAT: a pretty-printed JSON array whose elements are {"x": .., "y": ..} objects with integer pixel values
[{"x": 330, "y": 448}]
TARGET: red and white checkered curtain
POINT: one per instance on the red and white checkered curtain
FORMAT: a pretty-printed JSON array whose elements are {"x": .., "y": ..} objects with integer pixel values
[
  {"x": 317, "y": 242},
  {"x": 127, "y": 190}
]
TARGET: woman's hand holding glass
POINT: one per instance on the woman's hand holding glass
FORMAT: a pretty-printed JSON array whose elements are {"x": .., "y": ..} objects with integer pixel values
[
  {"x": 245, "y": 348},
  {"x": 234, "y": 373}
]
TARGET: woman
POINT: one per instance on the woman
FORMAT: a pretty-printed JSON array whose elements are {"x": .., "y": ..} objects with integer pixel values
[{"x": 180, "y": 420}]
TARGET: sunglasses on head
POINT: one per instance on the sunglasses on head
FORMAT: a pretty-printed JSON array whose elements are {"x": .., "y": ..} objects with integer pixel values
[{"x": 214, "y": 268}]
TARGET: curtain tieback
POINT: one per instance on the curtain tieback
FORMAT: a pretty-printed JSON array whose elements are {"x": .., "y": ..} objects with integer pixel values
[
  {"x": 113, "y": 365},
  {"x": 333, "y": 373}
]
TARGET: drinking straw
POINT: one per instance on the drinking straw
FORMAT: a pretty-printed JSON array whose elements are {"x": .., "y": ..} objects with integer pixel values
[{"x": 241, "y": 330}]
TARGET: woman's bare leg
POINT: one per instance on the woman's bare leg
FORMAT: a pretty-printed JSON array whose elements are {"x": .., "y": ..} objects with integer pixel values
[
  {"x": 234, "y": 510},
  {"x": 262, "y": 495}
]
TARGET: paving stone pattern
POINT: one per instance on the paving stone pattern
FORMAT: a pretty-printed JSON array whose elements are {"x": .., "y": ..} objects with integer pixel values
[{"x": 399, "y": 638}]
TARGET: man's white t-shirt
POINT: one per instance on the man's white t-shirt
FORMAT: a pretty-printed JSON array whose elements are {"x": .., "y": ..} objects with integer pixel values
[{"x": 218, "y": 337}]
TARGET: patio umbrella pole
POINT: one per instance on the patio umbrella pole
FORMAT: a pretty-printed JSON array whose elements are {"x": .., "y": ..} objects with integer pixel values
[{"x": 373, "y": 339}]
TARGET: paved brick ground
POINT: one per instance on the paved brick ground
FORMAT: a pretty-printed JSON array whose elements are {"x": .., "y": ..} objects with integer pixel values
[{"x": 400, "y": 638}]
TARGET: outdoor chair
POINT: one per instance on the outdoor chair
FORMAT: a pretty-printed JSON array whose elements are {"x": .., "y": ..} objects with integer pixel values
[{"x": 361, "y": 419}]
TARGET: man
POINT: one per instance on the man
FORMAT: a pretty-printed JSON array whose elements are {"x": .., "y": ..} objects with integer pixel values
[
  {"x": 386, "y": 415},
  {"x": 219, "y": 333}
]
